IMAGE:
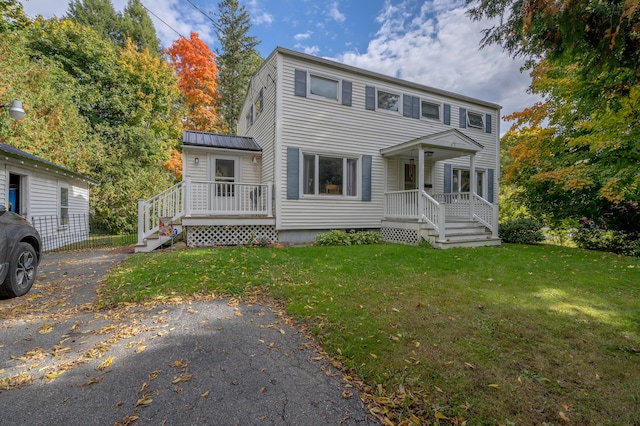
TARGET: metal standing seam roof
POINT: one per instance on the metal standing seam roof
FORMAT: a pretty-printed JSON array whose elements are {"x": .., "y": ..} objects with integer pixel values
[
  {"x": 216, "y": 140},
  {"x": 9, "y": 151}
]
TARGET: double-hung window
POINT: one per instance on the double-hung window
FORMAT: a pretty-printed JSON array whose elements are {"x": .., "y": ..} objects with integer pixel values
[
  {"x": 64, "y": 205},
  {"x": 430, "y": 110},
  {"x": 329, "y": 175}
]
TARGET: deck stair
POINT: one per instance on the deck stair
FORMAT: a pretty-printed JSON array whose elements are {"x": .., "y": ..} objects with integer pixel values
[
  {"x": 155, "y": 240},
  {"x": 460, "y": 232}
]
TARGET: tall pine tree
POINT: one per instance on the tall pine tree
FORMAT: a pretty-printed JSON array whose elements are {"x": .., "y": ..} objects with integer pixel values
[
  {"x": 137, "y": 25},
  {"x": 237, "y": 59},
  {"x": 97, "y": 14}
]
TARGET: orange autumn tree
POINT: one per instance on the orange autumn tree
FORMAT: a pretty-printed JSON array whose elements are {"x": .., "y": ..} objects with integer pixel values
[{"x": 195, "y": 66}]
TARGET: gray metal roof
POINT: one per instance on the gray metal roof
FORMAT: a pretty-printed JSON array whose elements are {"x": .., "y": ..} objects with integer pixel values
[
  {"x": 9, "y": 151},
  {"x": 215, "y": 140}
]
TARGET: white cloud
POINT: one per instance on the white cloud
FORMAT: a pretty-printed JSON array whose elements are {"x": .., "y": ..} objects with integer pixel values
[
  {"x": 303, "y": 36},
  {"x": 310, "y": 50},
  {"x": 258, "y": 15},
  {"x": 335, "y": 14},
  {"x": 440, "y": 48}
]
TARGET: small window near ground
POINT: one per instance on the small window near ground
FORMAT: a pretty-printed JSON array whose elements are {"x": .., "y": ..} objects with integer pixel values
[
  {"x": 388, "y": 101},
  {"x": 430, "y": 110},
  {"x": 325, "y": 87},
  {"x": 64, "y": 206},
  {"x": 475, "y": 120}
]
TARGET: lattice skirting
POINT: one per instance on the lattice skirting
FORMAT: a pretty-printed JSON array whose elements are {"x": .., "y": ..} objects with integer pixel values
[
  {"x": 401, "y": 236},
  {"x": 212, "y": 236}
]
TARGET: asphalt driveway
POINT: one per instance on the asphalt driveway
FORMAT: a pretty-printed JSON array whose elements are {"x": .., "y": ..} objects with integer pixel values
[{"x": 173, "y": 362}]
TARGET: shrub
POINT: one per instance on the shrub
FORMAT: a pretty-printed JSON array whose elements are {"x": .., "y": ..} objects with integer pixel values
[
  {"x": 341, "y": 238},
  {"x": 521, "y": 231},
  {"x": 611, "y": 241}
]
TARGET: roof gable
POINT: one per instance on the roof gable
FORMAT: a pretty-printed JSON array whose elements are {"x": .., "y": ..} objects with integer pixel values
[
  {"x": 9, "y": 151},
  {"x": 453, "y": 140}
]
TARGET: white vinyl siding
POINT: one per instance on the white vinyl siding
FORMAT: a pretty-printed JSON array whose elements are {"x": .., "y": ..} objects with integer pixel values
[{"x": 330, "y": 128}]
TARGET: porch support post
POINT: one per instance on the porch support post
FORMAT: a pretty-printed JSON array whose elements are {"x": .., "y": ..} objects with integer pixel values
[
  {"x": 420, "y": 182},
  {"x": 141, "y": 221},
  {"x": 473, "y": 184},
  {"x": 186, "y": 196},
  {"x": 270, "y": 199}
]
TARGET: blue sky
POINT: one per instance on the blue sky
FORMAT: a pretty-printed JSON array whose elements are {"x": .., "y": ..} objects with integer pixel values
[{"x": 430, "y": 42}]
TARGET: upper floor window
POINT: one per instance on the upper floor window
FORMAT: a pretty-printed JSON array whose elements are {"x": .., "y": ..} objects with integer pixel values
[
  {"x": 323, "y": 86},
  {"x": 388, "y": 101},
  {"x": 430, "y": 110},
  {"x": 475, "y": 120}
]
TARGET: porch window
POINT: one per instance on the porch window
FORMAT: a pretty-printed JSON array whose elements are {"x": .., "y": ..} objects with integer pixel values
[
  {"x": 430, "y": 110},
  {"x": 475, "y": 120},
  {"x": 461, "y": 180},
  {"x": 325, "y": 175},
  {"x": 323, "y": 86},
  {"x": 388, "y": 101},
  {"x": 64, "y": 206}
]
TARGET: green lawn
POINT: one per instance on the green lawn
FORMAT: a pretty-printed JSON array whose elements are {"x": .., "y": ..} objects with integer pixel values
[{"x": 510, "y": 335}]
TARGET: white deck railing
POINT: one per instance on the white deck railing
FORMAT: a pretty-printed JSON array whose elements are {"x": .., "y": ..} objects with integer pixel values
[
  {"x": 434, "y": 209},
  {"x": 203, "y": 198},
  {"x": 169, "y": 203}
]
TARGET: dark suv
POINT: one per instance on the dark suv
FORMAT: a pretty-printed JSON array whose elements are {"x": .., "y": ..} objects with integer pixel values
[{"x": 19, "y": 254}]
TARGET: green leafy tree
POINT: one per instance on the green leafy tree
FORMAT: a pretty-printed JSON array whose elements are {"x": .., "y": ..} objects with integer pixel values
[
  {"x": 12, "y": 16},
  {"x": 52, "y": 128},
  {"x": 576, "y": 152},
  {"x": 128, "y": 97},
  {"x": 237, "y": 59}
]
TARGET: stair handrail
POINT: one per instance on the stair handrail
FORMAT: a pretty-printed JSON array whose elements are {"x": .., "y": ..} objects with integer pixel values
[
  {"x": 434, "y": 214},
  {"x": 483, "y": 211},
  {"x": 168, "y": 203}
]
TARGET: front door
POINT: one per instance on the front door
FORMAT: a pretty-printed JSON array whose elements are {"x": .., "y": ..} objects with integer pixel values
[
  {"x": 409, "y": 174},
  {"x": 224, "y": 173}
]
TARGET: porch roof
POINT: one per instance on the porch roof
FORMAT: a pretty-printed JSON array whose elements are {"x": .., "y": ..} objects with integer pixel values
[
  {"x": 216, "y": 140},
  {"x": 441, "y": 145}
]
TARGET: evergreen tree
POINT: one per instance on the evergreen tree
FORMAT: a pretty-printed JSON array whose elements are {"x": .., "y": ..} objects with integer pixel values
[
  {"x": 137, "y": 25},
  {"x": 97, "y": 14},
  {"x": 237, "y": 59}
]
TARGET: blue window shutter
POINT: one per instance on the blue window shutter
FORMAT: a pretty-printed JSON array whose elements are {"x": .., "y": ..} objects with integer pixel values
[
  {"x": 301, "y": 83},
  {"x": 261, "y": 100},
  {"x": 251, "y": 115},
  {"x": 347, "y": 88},
  {"x": 490, "y": 179},
  {"x": 407, "y": 105},
  {"x": 293, "y": 173},
  {"x": 487, "y": 123},
  {"x": 448, "y": 176},
  {"x": 463, "y": 118},
  {"x": 366, "y": 178},
  {"x": 416, "y": 107},
  {"x": 370, "y": 98},
  {"x": 447, "y": 114}
]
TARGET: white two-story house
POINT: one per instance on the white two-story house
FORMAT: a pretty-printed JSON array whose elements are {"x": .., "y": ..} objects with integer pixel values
[{"x": 322, "y": 145}]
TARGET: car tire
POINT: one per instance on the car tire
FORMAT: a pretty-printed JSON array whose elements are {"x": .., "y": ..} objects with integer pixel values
[{"x": 22, "y": 271}]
